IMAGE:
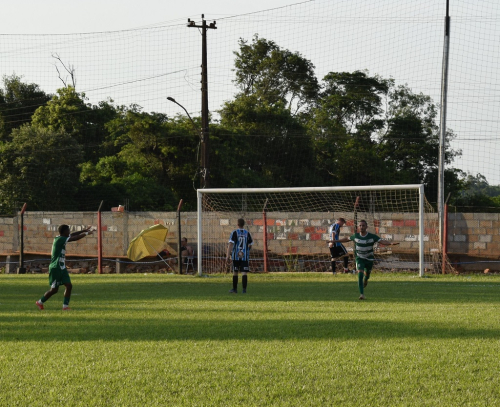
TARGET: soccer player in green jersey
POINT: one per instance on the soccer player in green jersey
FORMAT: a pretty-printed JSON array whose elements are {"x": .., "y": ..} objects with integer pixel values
[
  {"x": 364, "y": 242},
  {"x": 58, "y": 273}
]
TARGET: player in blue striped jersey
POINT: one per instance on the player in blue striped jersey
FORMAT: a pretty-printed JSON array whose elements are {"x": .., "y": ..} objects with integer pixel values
[
  {"x": 238, "y": 250},
  {"x": 337, "y": 249}
]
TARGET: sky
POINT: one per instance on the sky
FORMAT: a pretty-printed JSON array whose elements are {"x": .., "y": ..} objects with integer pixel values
[
  {"x": 63, "y": 17},
  {"x": 400, "y": 39}
]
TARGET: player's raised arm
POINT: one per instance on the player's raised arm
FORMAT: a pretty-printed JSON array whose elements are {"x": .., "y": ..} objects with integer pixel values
[
  {"x": 80, "y": 234},
  {"x": 343, "y": 240},
  {"x": 387, "y": 243}
]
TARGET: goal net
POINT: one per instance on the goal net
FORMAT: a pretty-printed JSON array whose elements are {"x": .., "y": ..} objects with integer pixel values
[{"x": 290, "y": 227}]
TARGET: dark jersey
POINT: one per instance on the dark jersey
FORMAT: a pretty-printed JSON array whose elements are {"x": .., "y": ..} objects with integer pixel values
[{"x": 242, "y": 241}]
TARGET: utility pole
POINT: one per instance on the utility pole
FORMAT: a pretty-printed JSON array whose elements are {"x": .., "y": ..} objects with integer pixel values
[{"x": 205, "y": 168}]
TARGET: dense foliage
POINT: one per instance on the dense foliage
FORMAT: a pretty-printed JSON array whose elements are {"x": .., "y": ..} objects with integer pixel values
[{"x": 283, "y": 128}]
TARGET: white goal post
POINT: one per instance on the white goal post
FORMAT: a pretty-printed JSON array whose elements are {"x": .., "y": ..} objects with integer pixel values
[{"x": 290, "y": 225}]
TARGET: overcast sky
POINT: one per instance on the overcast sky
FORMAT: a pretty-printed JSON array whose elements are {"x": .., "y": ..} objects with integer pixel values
[{"x": 63, "y": 17}]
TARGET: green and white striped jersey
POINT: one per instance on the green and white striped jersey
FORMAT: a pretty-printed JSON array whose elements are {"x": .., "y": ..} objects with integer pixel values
[{"x": 363, "y": 247}]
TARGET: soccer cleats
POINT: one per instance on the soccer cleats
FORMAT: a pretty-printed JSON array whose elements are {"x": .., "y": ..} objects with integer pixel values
[
  {"x": 361, "y": 297},
  {"x": 39, "y": 305},
  {"x": 233, "y": 291}
]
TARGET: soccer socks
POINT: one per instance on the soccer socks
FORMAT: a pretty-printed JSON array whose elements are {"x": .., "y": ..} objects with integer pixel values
[
  {"x": 66, "y": 302},
  {"x": 43, "y": 299},
  {"x": 333, "y": 267},
  {"x": 346, "y": 263},
  {"x": 244, "y": 280},
  {"x": 360, "y": 281},
  {"x": 361, "y": 284},
  {"x": 235, "y": 283}
]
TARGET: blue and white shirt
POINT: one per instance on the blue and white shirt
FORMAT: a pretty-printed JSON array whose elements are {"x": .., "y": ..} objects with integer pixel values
[
  {"x": 334, "y": 233},
  {"x": 242, "y": 241}
]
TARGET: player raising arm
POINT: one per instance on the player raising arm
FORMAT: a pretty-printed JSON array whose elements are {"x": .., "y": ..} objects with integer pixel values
[
  {"x": 363, "y": 249},
  {"x": 58, "y": 273}
]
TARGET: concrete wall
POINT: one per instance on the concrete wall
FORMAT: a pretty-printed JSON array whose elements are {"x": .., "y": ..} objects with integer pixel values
[
  {"x": 307, "y": 232},
  {"x": 472, "y": 234}
]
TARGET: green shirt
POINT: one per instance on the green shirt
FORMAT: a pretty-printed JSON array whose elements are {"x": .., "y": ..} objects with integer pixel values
[
  {"x": 58, "y": 258},
  {"x": 363, "y": 246}
]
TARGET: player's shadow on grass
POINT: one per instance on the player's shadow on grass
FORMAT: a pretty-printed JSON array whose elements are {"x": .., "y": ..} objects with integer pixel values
[{"x": 84, "y": 327}]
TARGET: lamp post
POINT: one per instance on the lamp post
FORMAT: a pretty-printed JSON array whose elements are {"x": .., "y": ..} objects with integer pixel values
[
  {"x": 203, "y": 142},
  {"x": 179, "y": 254},
  {"x": 188, "y": 115}
]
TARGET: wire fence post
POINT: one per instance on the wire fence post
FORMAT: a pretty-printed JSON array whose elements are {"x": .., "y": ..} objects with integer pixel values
[
  {"x": 179, "y": 252},
  {"x": 21, "y": 269},
  {"x": 99, "y": 239}
]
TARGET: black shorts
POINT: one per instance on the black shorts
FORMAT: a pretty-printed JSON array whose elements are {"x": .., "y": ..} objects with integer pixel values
[
  {"x": 337, "y": 251},
  {"x": 240, "y": 265}
]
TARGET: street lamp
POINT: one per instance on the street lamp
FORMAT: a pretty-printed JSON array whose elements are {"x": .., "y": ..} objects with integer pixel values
[
  {"x": 179, "y": 254},
  {"x": 203, "y": 144},
  {"x": 178, "y": 104}
]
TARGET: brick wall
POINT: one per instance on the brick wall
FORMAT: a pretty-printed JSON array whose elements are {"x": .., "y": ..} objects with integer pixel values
[
  {"x": 308, "y": 232},
  {"x": 474, "y": 234}
]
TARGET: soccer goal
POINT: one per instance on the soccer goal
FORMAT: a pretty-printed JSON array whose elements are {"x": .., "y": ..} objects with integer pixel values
[{"x": 290, "y": 226}]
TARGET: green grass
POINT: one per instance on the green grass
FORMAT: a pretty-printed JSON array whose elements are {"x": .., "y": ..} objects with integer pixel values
[{"x": 293, "y": 340}]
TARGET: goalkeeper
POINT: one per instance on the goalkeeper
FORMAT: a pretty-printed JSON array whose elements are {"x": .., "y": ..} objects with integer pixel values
[
  {"x": 337, "y": 249},
  {"x": 363, "y": 248}
]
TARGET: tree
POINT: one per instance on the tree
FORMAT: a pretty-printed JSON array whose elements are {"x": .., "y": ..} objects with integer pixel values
[
  {"x": 354, "y": 101},
  {"x": 274, "y": 75},
  {"x": 259, "y": 145},
  {"x": 343, "y": 123},
  {"x": 154, "y": 161},
  {"x": 261, "y": 141},
  {"x": 477, "y": 194},
  {"x": 39, "y": 166},
  {"x": 66, "y": 111},
  {"x": 18, "y": 102},
  {"x": 409, "y": 142},
  {"x": 69, "y": 111}
]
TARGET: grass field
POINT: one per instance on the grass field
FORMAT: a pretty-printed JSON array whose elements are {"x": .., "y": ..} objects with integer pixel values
[{"x": 292, "y": 340}]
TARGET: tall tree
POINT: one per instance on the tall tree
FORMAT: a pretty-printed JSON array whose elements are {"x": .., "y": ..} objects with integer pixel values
[
  {"x": 154, "y": 164},
  {"x": 39, "y": 166},
  {"x": 409, "y": 142},
  {"x": 261, "y": 141},
  {"x": 342, "y": 124},
  {"x": 67, "y": 110},
  {"x": 18, "y": 102},
  {"x": 274, "y": 75}
]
